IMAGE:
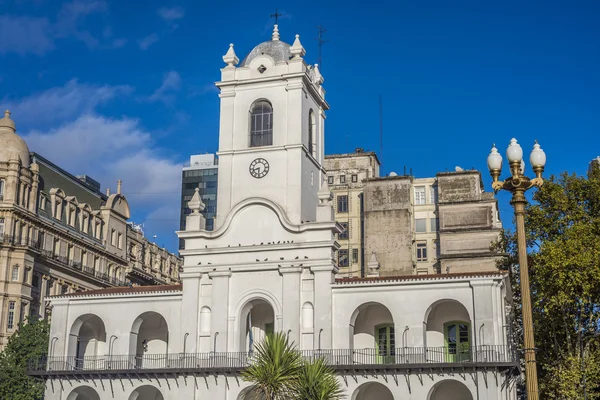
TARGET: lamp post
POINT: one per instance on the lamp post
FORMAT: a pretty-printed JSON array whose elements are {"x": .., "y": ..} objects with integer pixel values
[{"x": 518, "y": 184}]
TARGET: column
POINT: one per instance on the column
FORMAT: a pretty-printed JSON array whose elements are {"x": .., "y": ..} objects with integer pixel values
[
  {"x": 323, "y": 280},
  {"x": 190, "y": 303},
  {"x": 291, "y": 290},
  {"x": 220, "y": 310}
]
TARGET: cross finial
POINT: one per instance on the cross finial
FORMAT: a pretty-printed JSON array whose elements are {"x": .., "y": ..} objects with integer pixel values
[{"x": 276, "y": 16}]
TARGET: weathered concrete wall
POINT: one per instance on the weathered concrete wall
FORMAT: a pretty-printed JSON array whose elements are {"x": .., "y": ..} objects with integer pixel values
[
  {"x": 388, "y": 224},
  {"x": 459, "y": 186}
]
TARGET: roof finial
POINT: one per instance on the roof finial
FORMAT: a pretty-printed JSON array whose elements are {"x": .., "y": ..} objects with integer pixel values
[
  {"x": 275, "y": 33},
  {"x": 297, "y": 49},
  {"x": 196, "y": 204},
  {"x": 119, "y": 183},
  {"x": 7, "y": 122},
  {"x": 276, "y": 16},
  {"x": 7, "y": 114},
  {"x": 230, "y": 58}
]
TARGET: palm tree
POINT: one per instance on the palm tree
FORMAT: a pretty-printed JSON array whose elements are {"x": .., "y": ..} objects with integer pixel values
[
  {"x": 317, "y": 381},
  {"x": 274, "y": 369}
]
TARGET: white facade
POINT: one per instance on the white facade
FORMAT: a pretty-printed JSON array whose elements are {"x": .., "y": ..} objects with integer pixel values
[{"x": 268, "y": 266}]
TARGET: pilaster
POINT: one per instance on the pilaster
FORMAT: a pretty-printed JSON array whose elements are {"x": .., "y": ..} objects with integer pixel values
[
  {"x": 220, "y": 309},
  {"x": 291, "y": 290}
]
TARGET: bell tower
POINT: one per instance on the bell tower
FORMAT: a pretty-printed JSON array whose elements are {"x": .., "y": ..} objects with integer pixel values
[{"x": 271, "y": 134}]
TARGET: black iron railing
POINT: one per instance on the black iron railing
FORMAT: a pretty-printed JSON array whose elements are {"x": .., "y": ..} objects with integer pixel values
[
  {"x": 341, "y": 358},
  {"x": 20, "y": 241}
]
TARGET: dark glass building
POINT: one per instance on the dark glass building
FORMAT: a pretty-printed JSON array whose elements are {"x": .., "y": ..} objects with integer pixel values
[{"x": 201, "y": 172}]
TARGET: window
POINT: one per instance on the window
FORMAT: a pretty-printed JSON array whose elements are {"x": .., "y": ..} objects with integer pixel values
[
  {"x": 48, "y": 287},
  {"x": 434, "y": 224},
  {"x": 43, "y": 201},
  {"x": 344, "y": 234},
  {"x": 433, "y": 194},
  {"x": 22, "y": 313},
  {"x": 421, "y": 251},
  {"x": 113, "y": 237},
  {"x": 119, "y": 240},
  {"x": 1, "y": 189},
  {"x": 421, "y": 224},
  {"x": 457, "y": 335},
  {"x": 343, "y": 258},
  {"x": 385, "y": 343},
  {"x": 311, "y": 132},
  {"x": 354, "y": 178},
  {"x": 35, "y": 280},
  {"x": 34, "y": 311},
  {"x": 261, "y": 124},
  {"x": 330, "y": 180},
  {"x": 15, "y": 273},
  {"x": 342, "y": 204},
  {"x": 419, "y": 195},
  {"x": 354, "y": 256},
  {"x": 11, "y": 315},
  {"x": 64, "y": 289},
  {"x": 1, "y": 226},
  {"x": 56, "y": 247},
  {"x": 25, "y": 275},
  {"x": 342, "y": 178}
]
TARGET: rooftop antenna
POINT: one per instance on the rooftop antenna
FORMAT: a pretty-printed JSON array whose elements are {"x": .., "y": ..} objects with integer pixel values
[
  {"x": 380, "y": 129},
  {"x": 154, "y": 237},
  {"x": 276, "y": 16},
  {"x": 321, "y": 42}
]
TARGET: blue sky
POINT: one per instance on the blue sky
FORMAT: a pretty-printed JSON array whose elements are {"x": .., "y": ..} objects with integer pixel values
[{"x": 115, "y": 90}]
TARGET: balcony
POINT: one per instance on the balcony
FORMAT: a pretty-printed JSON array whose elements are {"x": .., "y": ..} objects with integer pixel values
[
  {"x": 343, "y": 360},
  {"x": 18, "y": 241}
]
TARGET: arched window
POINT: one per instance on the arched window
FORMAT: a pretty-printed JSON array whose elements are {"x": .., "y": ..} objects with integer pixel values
[
  {"x": 15, "y": 273},
  {"x": 261, "y": 124},
  {"x": 312, "y": 131}
]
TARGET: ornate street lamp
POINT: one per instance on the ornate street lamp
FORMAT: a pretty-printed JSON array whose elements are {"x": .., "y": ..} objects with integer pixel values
[{"x": 518, "y": 184}]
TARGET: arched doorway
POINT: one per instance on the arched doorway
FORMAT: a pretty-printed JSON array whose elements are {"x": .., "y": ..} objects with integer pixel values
[
  {"x": 83, "y": 393},
  {"x": 87, "y": 342},
  {"x": 448, "y": 332},
  {"x": 146, "y": 392},
  {"x": 149, "y": 340},
  {"x": 450, "y": 390},
  {"x": 373, "y": 335},
  {"x": 258, "y": 321},
  {"x": 372, "y": 391}
]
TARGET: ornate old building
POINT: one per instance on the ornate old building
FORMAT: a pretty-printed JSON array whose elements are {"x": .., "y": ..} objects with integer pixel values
[{"x": 59, "y": 234}]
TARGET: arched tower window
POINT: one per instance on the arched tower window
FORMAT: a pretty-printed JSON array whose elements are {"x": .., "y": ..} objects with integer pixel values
[
  {"x": 261, "y": 124},
  {"x": 312, "y": 131}
]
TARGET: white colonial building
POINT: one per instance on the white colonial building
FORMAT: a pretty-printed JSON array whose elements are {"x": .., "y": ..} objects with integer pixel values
[{"x": 269, "y": 266}]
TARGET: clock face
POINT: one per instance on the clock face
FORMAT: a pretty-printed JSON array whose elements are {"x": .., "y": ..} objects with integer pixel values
[{"x": 259, "y": 168}]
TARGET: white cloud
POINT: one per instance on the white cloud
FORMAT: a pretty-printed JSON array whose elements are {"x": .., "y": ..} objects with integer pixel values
[
  {"x": 111, "y": 149},
  {"x": 61, "y": 103},
  {"x": 171, "y": 83},
  {"x": 171, "y": 14},
  {"x": 148, "y": 41},
  {"x": 24, "y": 34}
]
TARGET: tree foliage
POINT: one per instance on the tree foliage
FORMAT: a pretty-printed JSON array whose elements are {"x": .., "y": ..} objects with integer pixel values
[
  {"x": 562, "y": 225},
  {"x": 29, "y": 341},
  {"x": 278, "y": 372}
]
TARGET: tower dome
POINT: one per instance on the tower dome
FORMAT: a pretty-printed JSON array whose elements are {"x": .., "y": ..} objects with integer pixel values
[
  {"x": 11, "y": 145},
  {"x": 275, "y": 48}
]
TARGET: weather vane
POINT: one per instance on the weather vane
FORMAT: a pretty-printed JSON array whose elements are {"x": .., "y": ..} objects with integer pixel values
[{"x": 276, "y": 16}]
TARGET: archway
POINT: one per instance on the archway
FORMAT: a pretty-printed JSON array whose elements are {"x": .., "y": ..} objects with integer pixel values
[
  {"x": 372, "y": 334},
  {"x": 448, "y": 332},
  {"x": 450, "y": 390},
  {"x": 257, "y": 321},
  {"x": 83, "y": 393},
  {"x": 372, "y": 391},
  {"x": 149, "y": 340},
  {"x": 146, "y": 392},
  {"x": 87, "y": 341}
]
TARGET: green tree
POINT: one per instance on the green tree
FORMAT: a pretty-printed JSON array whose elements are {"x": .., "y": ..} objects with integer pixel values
[
  {"x": 278, "y": 372},
  {"x": 563, "y": 235},
  {"x": 30, "y": 341}
]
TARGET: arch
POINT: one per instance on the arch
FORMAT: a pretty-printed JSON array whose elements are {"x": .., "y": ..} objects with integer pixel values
[
  {"x": 261, "y": 123},
  {"x": 372, "y": 327},
  {"x": 450, "y": 389},
  {"x": 205, "y": 319},
  {"x": 308, "y": 316},
  {"x": 146, "y": 392},
  {"x": 149, "y": 339},
  {"x": 256, "y": 320},
  {"x": 372, "y": 391},
  {"x": 448, "y": 331},
  {"x": 118, "y": 203},
  {"x": 312, "y": 133},
  {"x": 83, "y": 393},
  {"x": 87, "y": 340}
]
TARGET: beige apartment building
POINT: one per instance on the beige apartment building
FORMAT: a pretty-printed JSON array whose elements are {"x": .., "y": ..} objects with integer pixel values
[
  {"x": 59, "y": 234},
  {"x": 346, "y": 174},
  {"x": 401, "y": 225}
]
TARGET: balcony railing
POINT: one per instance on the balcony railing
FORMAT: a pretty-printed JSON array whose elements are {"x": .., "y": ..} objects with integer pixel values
[
  {"x": 20, "y": 241},
  {"x": 408, "y": 357}
]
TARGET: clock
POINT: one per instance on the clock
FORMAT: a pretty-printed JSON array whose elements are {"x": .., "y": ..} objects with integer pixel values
[{"x": 259, "y": 168}]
